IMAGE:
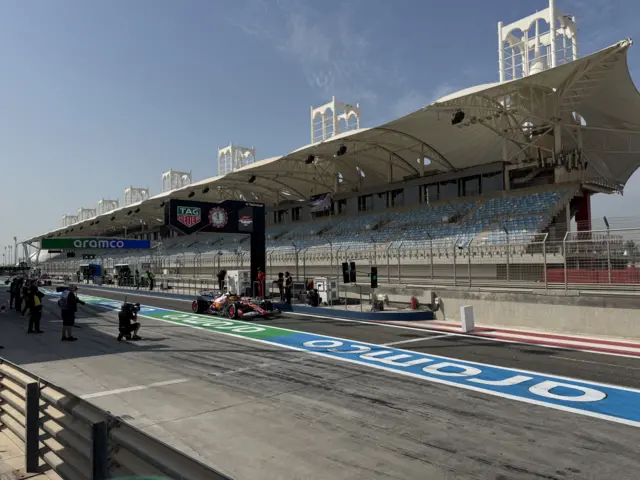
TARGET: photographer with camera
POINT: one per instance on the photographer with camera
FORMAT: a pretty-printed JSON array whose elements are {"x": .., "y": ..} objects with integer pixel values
[{"x": 127, "y": 321}]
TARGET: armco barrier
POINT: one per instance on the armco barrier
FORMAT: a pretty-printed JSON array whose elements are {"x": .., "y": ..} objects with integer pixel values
[{"x": 78, "y": 440}]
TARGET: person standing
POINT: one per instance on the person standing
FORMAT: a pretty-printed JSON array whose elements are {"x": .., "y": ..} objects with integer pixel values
[
  {"x": 18, "y": 303},
  {"x": 288, "y": 285},
  {"x": 261, "y": 279},
  {"x": 137, "y": 279},
  {"x": 13, "y": 292},
  {"x": 26, "y": 294},
  {"x": 280, "y": 285},
  {"x": 34, "y": 303},
  {"x": 221, "y": 276},
  {"x": 151, "y": 279},
  {"x": 68, "y": 304}
]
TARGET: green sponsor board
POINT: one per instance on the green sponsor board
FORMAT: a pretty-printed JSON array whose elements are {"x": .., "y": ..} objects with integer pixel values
[{"x": 88, "y": 243}]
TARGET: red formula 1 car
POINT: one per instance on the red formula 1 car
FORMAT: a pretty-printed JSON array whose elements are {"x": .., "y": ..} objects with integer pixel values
[{"x": 233, "y": 306}]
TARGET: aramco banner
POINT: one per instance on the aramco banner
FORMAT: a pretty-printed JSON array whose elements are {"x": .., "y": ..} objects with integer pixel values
[{"x": 92, "y": 243}]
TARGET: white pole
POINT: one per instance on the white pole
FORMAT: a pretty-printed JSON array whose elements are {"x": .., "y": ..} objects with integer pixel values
[
  {"x": 500, "y": 53},
  {"x": 552, "y": 31}
]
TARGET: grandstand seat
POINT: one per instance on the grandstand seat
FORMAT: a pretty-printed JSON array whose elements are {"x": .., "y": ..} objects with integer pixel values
[
  {"x": 519, "y": 229},
  {"x": 538, "y": 202},
  {"x": 442, "y": 225}
]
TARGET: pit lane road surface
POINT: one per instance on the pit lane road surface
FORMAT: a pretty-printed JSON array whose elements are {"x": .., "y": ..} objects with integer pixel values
[
  {"x": 312, "y": 416},
  {"x": 612, "y": 403}
]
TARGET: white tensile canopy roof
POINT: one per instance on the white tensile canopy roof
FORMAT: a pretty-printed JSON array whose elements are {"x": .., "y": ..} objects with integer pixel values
[{"x": 597, "y": 88}]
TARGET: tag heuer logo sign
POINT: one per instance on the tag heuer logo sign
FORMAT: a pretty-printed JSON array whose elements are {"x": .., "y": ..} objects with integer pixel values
[{"x": 189, "y": 216}]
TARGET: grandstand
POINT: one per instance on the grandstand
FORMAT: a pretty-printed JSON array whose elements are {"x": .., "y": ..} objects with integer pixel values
[{"x": 480, "y": 186}]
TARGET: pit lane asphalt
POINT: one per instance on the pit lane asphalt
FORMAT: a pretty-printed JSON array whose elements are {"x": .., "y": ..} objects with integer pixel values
[
  {"x": 614, "y": 370},
  {"x": 257, "y": 411}
]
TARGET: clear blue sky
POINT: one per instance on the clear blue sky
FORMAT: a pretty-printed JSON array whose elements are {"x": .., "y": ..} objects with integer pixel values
[{"x": 96, "y": 95}]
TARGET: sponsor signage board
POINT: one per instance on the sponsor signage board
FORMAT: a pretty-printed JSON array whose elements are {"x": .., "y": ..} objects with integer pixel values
[
  {"x": 229, "y": 216},
  {"x": 226, "y": 216},
  {"x": 92, "y": 243},
  {"x": 188, "y": 216},
  {"x": 245, "y": 220},
  {"x": 606, "y": 402}
]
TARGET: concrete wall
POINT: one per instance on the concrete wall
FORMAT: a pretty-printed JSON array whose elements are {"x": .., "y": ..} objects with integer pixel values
[
  {"x": 559, "y": 311},
  {"x": 556, "y": 311}
]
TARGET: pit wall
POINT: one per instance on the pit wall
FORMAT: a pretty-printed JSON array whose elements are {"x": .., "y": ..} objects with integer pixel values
[
  {"x": 559, "y": 311},
  {"x": 562, "y": 311}
]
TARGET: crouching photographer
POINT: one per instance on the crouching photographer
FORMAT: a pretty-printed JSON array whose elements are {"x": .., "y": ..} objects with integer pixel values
[{"x": 128, "y": 324}]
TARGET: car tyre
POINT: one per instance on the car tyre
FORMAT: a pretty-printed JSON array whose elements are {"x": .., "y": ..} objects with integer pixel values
[{"x": 198, "y": 307}]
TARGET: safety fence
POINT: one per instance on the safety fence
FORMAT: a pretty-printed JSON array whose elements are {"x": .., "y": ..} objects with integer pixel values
[
  {"x": 602, "y": 259},
  {"x": 78, "y": 440}
]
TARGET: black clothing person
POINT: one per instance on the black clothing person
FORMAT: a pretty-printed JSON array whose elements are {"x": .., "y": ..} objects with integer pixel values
[
  {"x": 34, "y": 303},
  {"x": 288, "y": 285}
]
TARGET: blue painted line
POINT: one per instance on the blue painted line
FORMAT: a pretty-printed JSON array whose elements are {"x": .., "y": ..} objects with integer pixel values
[
  {"x": 586, "y": 396},
  {"x": 607, "y": 402}
]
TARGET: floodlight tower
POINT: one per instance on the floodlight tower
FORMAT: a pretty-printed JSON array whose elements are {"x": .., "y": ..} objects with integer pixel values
[
  {"x": 134, "y": 195},
  {"x": 105, "y": 206},
  {"x": 330, "y": 116},
  {"x": 233, "y": 157},
  {"x": 173, "y": 179},
  {"x": 86, "y": 214},
  {"x": 68, "y": 220},
  {"x": 543, "y": 40}
]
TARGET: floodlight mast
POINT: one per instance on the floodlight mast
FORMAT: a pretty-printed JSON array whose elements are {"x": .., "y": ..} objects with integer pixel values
[
  {"x": 233, "y": 157},
  {"x": 173, "y": 179},
  {"x": 135, "y": 195},
  {"x": 331, "y": 114},
  {"x": 522, "y": 52}
]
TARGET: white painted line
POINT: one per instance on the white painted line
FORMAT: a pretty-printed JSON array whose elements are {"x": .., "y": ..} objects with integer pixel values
[
  {"x": 454, "y": 334},
  {"x": 597, "y": 363},
  {"x": 331, "y": 357},
  {"x": 135, "y": 388},
  {"x": 410, "y": 374},
  {"x": 403, "y": 327},
  {"x": 578, "y": 342},
  {"x": 414, "y": 340},
  {"x": 441, "y": 381}
]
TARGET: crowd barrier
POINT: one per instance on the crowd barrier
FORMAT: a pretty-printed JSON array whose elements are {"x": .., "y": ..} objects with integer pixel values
[{"x": 80, "y": 441}]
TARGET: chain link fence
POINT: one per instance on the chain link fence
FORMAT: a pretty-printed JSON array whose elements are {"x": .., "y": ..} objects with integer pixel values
[{"x": 599, "y": 259}]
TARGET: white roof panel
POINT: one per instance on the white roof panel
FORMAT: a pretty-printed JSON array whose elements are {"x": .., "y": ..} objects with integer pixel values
[{"x": 597, "y": 86}]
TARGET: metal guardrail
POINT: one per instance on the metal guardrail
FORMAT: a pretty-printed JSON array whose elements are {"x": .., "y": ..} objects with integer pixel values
[{"x": 80, "y": 441}]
